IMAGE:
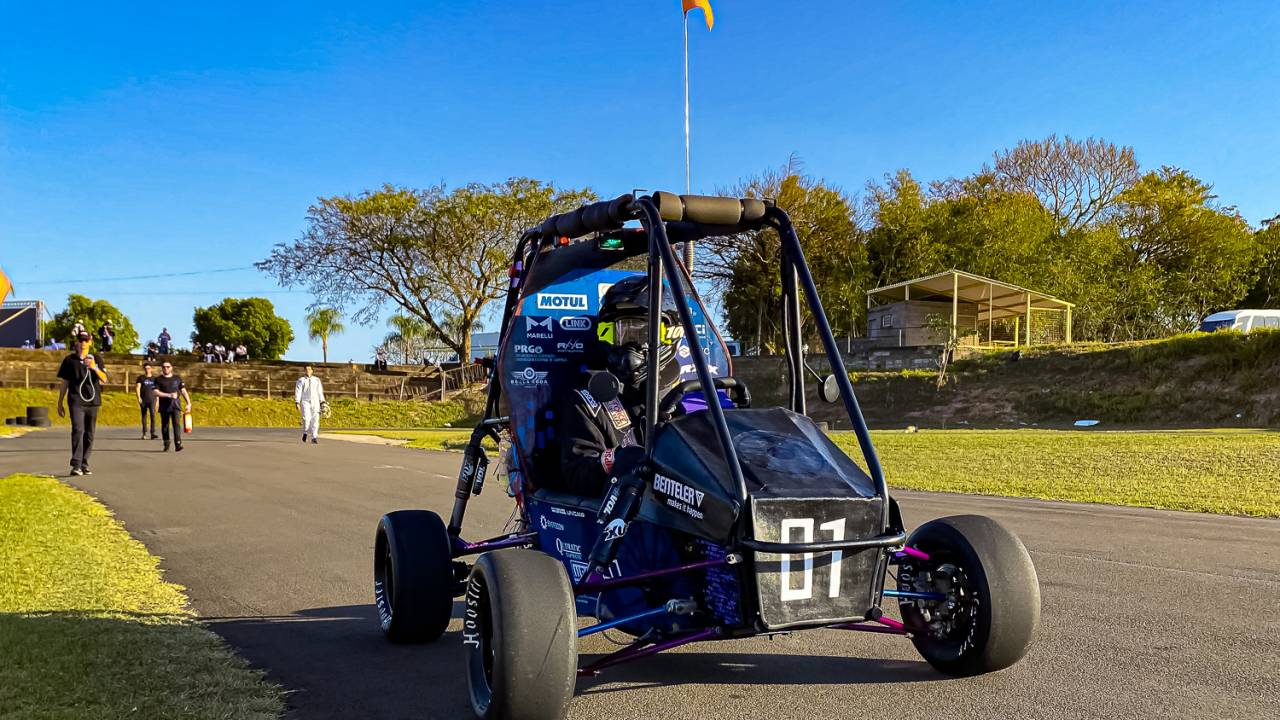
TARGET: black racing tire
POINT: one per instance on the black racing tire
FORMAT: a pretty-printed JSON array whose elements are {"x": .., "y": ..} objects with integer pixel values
[
  {"x": 520, "y": 631},
  {"x": 413, "y": 576},
  {"x": 996, "y": 590}
]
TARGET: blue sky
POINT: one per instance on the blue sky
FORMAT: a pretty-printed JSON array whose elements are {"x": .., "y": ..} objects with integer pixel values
[{"x": 181, "y": 137}]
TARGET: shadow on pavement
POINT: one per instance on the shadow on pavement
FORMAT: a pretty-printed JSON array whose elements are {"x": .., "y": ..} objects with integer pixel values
[{"x": 334, "y": 663}]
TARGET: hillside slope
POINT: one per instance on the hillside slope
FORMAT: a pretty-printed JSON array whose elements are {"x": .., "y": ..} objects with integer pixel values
[{"x": 1222, "y": 379}]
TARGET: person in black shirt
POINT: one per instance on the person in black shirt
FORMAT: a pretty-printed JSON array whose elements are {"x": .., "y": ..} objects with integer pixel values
[
  {"x": 169, "y": 388},
  {"x": 146, "y": 393},
  {"x": 82, "y": 375}
]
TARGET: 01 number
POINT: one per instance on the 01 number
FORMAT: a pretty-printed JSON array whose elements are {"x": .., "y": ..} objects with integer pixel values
[{"x": 805, "y": 526}]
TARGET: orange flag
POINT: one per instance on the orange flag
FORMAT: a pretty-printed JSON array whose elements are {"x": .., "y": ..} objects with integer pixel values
[
  {"x": 6, "y": 287},
  {"x": 706, "y": 10}
]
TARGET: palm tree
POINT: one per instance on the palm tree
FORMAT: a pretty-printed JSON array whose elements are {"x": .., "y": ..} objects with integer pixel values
[
  {"x": 321, "y": 323},
  {"x": 408, "y": 331}
]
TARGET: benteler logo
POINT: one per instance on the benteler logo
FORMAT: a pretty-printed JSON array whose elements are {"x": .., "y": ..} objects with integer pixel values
[{"x": 561, "y": 301}]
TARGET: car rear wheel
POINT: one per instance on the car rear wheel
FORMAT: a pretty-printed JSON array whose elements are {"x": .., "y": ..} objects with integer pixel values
[
  {"x": 520, "y": 631},
  {"x": 991, "y": 595},
  {"x": 413, "y": 576}
]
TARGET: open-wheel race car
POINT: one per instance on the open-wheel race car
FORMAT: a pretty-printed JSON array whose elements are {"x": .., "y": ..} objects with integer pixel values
[{"x": 712, "y": 519}]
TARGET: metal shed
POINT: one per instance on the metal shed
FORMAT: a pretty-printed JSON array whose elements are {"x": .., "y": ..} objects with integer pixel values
[{"x": 983, "y": 312}]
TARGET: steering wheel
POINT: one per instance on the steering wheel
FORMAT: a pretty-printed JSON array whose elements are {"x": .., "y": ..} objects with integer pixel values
[{"x": 737, "y": 390}]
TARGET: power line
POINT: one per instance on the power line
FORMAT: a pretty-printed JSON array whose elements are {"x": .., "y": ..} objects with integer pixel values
[
  {"x": 84, "y": 281},
  {"x": 226, "y": 293}
]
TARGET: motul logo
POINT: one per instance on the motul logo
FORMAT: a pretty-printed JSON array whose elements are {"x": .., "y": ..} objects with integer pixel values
[{"x": 559, "y": 301}]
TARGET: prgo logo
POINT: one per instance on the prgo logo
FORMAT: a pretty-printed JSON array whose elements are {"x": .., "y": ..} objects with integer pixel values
[
  {"x": 575, "y": 323},
  {"x": 543, "y": 329},
  {"x": 528, "y": 377},
  {"x": 561, "y": 301},
  {"x": 528, "y": 349}
]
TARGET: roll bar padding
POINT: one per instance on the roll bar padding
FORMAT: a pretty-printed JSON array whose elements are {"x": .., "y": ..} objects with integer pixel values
[
  {"x": 597, "y": 217},
  {"x": 709, "y": 210}
]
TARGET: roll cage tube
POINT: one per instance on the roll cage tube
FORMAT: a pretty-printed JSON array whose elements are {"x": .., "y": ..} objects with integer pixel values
[
  {"x": 659, "y": 246},
  {"x": 794, "y": 255}
]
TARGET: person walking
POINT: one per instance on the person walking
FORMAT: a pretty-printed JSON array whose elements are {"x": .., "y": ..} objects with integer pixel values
[
  {"x": 308, "y": 395},
  {"x": 169, "y": 388},
  {"x": 164, "y": 339},
  {"x": 82, "y": 374},
  {"x": 145, "y": 390}
]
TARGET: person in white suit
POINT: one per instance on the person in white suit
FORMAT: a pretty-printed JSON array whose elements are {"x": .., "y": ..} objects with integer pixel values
[{"x": 308, "y": 395}]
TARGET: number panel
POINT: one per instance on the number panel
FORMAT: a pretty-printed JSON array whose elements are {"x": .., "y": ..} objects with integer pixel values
[{"x": 815, "y": 588}]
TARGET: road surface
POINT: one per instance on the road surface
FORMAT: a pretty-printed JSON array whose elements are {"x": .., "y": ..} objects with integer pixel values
[{"x": 1146, "y": 614}]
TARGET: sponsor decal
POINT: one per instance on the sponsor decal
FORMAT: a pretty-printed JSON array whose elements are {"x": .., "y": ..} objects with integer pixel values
[
  {"x": 561, "y": 301},
  {"x": 575, "y": 322},
  {"x": 541, "y": 329},
  {"x": 617, "y": 414},
  {"x": 569, "y": 346},
  {"x": 701, "y": 330},
  {"x": 528, "y": 349},
  {"x": 550, "y": 524},
  {"x": 683, "y": 351},
  {"x": 686, "y": 369},
  {"x": 606, "y": 459},
  {"x": 591, "y": 402},
  {"x": 614, "y": 530},
  {"x": 577, "y": 568},
  {"x": 529, "y": 377},
  {"x": 568, "y": 549},
  {"x": 678, "y": 496},
  {"x": 557, "y": 510},
  {"x": 471, "y": 617}
]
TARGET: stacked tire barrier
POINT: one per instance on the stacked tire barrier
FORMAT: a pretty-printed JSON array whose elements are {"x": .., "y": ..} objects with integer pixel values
[{"x": 37, "y": 416}]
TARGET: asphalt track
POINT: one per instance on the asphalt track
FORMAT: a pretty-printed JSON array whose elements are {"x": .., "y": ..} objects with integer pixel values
[{"x": 1146, "y": 614}]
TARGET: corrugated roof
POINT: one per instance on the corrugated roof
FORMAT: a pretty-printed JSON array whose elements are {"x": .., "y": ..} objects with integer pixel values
[{"x": 993, "y": 297}]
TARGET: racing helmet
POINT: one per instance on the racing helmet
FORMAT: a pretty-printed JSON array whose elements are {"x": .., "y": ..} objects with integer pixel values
[{"x": 623, "y": 329}]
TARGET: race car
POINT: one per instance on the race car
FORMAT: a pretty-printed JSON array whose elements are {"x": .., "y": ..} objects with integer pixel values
[{"x": 732, "y": 521}]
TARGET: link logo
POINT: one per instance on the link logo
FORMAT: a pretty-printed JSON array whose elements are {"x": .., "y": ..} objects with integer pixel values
[
  {"x": 575, "y": 322},
  {"x": 561, "y": 301}
]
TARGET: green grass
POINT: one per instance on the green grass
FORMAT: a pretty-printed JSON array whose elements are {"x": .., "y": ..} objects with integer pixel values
[
  {"x": 1234, "y": 472},
  {"x": 214, "y": 411},
  {"x": 89, "y": 629}
]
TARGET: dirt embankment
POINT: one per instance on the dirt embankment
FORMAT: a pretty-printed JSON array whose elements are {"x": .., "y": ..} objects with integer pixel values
[{"x": 1216, "y": 380}]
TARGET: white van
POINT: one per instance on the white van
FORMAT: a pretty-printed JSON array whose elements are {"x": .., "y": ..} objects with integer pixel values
[{"x": 1242, "y": 320}]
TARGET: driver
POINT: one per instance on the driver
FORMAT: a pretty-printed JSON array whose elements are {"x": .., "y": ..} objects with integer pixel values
[{"x": 595, "y": 435}]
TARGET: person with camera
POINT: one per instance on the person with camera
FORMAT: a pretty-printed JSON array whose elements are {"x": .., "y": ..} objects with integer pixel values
[
  {"x": 169, "y": 388},
  {"x": 82, "y": 374}
]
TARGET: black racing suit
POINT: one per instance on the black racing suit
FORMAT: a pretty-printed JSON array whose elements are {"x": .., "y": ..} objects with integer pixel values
[{"x": 589, "y": 434}]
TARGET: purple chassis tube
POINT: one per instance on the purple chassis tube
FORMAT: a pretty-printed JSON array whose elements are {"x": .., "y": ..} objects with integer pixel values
[{"x": 631, "y": 652}]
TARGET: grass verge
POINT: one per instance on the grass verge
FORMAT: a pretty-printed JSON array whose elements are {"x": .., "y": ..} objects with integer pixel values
[
  {"x": 1233, "y": 472},
  {"x": 89, "y": 629},
  {"x": 121, "y": 408}
]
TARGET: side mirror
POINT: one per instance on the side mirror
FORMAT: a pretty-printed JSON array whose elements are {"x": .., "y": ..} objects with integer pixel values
[
  {"x": 829, "y": 391},
  {"x": 603, "y": 386}
]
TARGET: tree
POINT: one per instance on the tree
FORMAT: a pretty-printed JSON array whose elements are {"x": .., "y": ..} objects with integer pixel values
[
  {"x": 1265, "y": 292},
  {"x": 321, "y": 323},
  {"x": 92, "y": 314},
  {"x": 431, "y": 252},
  {"x": 407, "y": 336},
  {"x": 1079, "y": 183},
  {"x": 251, "y": 322},
  {"x": 1194, "y": 256},
  {"x": 744, "y": 267}
]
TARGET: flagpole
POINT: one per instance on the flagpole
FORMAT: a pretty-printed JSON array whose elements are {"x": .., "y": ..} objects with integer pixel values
[{"x": 688, "y": 185}]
